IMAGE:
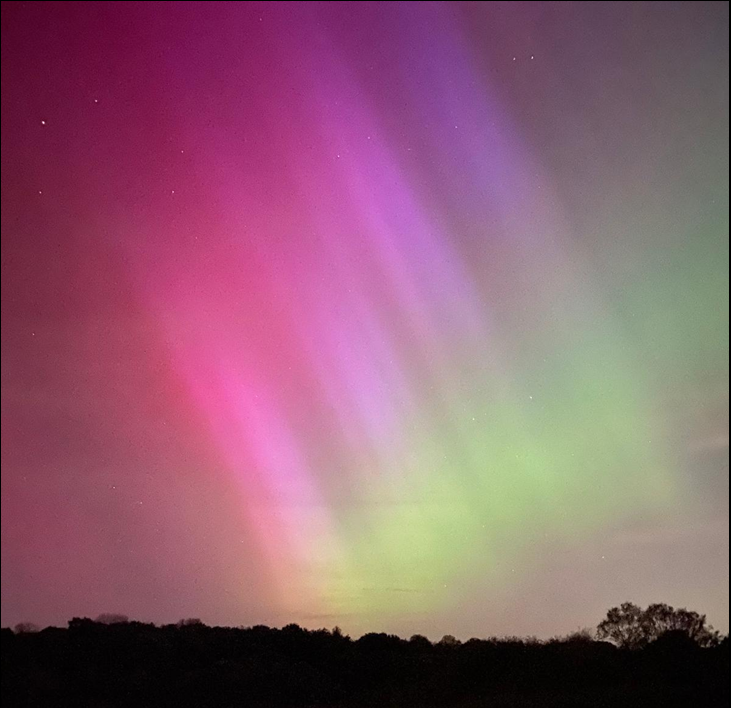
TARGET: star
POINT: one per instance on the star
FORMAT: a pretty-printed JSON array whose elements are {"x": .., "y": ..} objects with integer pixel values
[{"x": 43, "y": 122}]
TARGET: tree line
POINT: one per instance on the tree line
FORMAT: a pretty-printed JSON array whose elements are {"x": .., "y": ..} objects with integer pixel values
[{"x": 656, "y": 656}]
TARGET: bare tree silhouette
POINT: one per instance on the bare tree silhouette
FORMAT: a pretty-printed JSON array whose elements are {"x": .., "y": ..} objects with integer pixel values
[{"x": 631, "y": 627}]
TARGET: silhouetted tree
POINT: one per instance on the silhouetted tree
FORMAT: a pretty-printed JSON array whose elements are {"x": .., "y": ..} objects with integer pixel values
[
  {"x": 449, "y": 641},
  {"x": 81, "y": 624},
  {"x": 631, "y": 627},
  {"x": 190, "y": 622},
  {"x": 112, "y": 618},
  {"x": 26, "y": 628},
  {"x": 420, "y": 642},
  {"x": 580, "y": 636}
]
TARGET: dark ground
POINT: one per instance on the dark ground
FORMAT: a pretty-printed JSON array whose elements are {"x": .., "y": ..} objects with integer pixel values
[{"x": 133, "y": 664}]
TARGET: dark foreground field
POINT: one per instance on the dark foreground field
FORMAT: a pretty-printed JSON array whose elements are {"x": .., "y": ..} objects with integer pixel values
[{"x": 98, "y": 665}]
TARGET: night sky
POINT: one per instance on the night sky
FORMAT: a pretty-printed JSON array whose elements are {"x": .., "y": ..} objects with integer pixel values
[{"x": 405, "y": 317}]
